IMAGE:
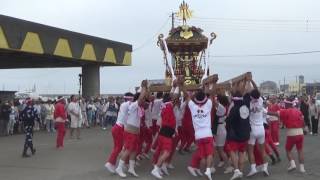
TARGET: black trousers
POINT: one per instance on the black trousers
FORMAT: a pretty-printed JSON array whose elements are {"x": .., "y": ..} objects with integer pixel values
[
  {"x": 307, "y": 123},
  {"x": 314, "y": 125},
  {"x": 28, "y": 141}
]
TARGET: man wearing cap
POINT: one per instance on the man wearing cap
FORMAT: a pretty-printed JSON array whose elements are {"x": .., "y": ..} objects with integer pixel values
[
  {"x": 29, "y": 115},
  {"x": 117, "y": 132}
]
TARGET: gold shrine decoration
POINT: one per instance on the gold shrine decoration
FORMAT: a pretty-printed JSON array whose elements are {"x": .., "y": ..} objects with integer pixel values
[
  {"x": 184, "y": 12},
  {"x": 186, "y": 33}
]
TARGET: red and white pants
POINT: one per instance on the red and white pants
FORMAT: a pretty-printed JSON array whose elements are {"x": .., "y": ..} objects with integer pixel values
[
  {"x": 164, "y": 144},
  {"x": 274, "y": 129},
  {"x": 118, "y": 139},
  {"x": 61, "y": 132}
]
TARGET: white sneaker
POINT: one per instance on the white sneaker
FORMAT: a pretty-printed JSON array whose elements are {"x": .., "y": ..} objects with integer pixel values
[
  {"x": 265, "y": 172},
  {"x": 120, "y": 172},
  {"x": 252, "y": 172},
  {"x": 192, "y": 171},
  {"x": 208, "y": 174},
  {"x": 228, "y": 170},
  {"x": 165, "y": 170},
  {"x": 265, "y": 169},
  {"x": 110, "y": 167},
  {"x": 237, "y": 174},
  {"x": 292, "y": 168},
  {"x": 198, "y": 172},
  {"x": 220, "y": 164},
  {"x": 133, "y": 172},
  {"x": 302, "y": 170},
  {"x": 155, "y": 172},
  {"x": 170, "y": 166}
]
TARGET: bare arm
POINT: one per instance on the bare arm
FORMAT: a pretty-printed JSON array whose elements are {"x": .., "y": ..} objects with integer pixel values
[
  {"x": 143, "y": 92},
  {"x": 180, "y": 83},
  {"x": 273, "y": 114}
]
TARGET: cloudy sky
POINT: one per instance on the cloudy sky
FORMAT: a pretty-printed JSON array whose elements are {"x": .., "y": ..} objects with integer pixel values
[{"x": 244, "y": 27}]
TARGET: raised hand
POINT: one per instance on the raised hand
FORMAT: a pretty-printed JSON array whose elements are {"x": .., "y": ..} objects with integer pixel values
[{"x": 144, "y": 83}]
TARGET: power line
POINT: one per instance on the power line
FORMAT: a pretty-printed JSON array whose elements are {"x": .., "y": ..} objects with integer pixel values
[
  {"x": 152, "y": 39},
  {"x": 264, "y": 25},
  {"x": 263, "y": 55},
  {"x": 257, "y": 20}
]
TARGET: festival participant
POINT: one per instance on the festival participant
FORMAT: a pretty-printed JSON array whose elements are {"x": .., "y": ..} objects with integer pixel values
[
  {"x": 131, "y": 132},
  {"x": 220, "y": 130},
  {"x": 178, "y": 113},
  {"x": 156, "y": 113},
  {"x": 156, "y": 116},
  {"x": 257, "y": 133},
  {"x": 60, "y": 118},
  {"x": 13, "y": 114},
  {"x": 200, "y": 107},
  {"x": 50, "y": 116},
  {"x": 314, "y": 113},
  {"x": 111, "y": 111},
  {"x": 259, "y": 160},
  {"x": 148, "y": 128},
  {"x": 304, "y": 108},
  {"x": 293, "y": 120},
  {"x": 165, "y": 138},
  {"x": 270, "y": 146},
  {"x": 187, "y": 130},
  {"x": 117, "y": 132},
  {"x": 238, "y": 133},
  {"x": 269, "y": 143},
  {"x": 28, "y": 116},
  {"x": 74, "y": 112},
  {"x": 274, "y": 121}
]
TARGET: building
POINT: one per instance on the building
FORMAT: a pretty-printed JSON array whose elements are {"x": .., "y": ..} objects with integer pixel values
[
  {"x": 284, "y": 88},
  {"x": 7, "y": 95},
  {"x": 268, "y": 87},
  {"x": 311, "y": 88}
]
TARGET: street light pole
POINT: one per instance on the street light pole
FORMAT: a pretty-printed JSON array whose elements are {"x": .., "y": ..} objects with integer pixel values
[{"x": 80, "y": 84}]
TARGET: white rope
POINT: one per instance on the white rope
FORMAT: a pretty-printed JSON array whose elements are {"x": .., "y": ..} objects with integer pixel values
[{"x": 206, "y": 63}]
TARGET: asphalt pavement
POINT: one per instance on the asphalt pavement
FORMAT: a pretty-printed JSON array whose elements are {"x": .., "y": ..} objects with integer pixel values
[{"x": 84, "y": 160}]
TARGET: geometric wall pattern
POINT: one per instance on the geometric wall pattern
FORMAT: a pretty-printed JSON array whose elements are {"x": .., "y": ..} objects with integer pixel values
[{"x": 25, "y": 36}]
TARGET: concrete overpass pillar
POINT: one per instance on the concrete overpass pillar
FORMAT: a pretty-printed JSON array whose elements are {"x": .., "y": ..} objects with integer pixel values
[{"x": 90, "y": 80}]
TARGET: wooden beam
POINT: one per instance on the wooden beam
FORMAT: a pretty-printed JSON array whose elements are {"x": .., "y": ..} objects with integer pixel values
[
  {"x": 238, "y": 78},
  {"x": 211, "y": 79},
  {"x": 164, "y": 88}
]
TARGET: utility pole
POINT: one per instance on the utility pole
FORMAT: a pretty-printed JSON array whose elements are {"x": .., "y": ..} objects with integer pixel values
[
  {"x": 172, "y": 20},
  {"x": 284, "y": 84}
]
